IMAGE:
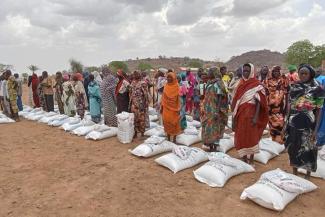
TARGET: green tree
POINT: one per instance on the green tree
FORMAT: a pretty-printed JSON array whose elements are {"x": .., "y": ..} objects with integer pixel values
[
  {"x": 305, "y": 52},
  {"x": 195, "y": 63},
  {"x": 33, "y": 68},
  {"x": 300, "y": 52},
  {"x": 115, "y": 65},
  {"x": 144, "y": 66},
  {"x": 318, "y": 55},
  {"x": 76, "y": 66}
]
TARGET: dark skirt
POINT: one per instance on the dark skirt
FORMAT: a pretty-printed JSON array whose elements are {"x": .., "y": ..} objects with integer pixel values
[
  {"x": 302, "y": 149},
  {"x": 49, "y": 101},
  {"x": 122, "y": 102}
]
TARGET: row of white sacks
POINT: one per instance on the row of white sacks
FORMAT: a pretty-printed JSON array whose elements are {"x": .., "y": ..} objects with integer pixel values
[
  {"x": 74, "y": 125},
  {"x": 274, "y": 190},
  {"x": 84, "y": 127},
  {"x": 5, "y": 120}
]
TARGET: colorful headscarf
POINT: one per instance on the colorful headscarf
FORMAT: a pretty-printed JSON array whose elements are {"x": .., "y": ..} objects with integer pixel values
[
  {"x": 292, "y": 68},
  {"x": 276, "y": 68},
  {"x": 79, "y": 76},
  {"x": 66, "y": 77},
  {"x": 310, "y": 69}
]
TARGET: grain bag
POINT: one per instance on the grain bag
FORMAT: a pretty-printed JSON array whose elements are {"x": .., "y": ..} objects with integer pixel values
[
  {"x": 99, "y": 135},
  {"x": 188, "y": 140},
  {"x": 268, "y": 150},
  {"x": 220, "y": 168},
  {"x": 125, "y": 127},
  {"x": 182, "y": 158},
  {"x": 320, "y": 172},
  {"x": 153, "y": 118},
  {"x": 276, "y": 189},
  {"x": 153, "y": 146},
  {"x": 226, "y": 144},
  {"x": 156, "y": 131}
]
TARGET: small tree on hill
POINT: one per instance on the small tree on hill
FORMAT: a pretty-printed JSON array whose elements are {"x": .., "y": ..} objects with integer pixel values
[
  {"x": 115, "y": 65},
  {"x": 195, "y": 63},
  {"x": 144, "y": 66},
  {"x": 33, "y": 68},
  {"x": 76, "y": 66}
]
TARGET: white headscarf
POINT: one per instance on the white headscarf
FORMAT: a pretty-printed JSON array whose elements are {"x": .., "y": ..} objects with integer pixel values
[{"x": 251, "y": 74}]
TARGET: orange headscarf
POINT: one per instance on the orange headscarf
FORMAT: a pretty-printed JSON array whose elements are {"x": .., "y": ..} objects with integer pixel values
[{"x": 171, "y": 94}]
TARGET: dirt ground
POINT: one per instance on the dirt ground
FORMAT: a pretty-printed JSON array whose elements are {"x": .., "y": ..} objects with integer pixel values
[{"x": 46, "y": 172}]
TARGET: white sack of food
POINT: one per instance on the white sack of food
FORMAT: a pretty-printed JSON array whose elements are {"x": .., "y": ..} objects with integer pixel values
[
  {"x": 57, "y": 118},
  {"x": 191, "y": 131},
  {"x": 268, "y": 150},
  {"x": 58, "y": 123},
  {"x": 153, "y": 125},
  {"x": 188, "y": 140},
  {"x": 220, "y": 168},
  {"x": 69, "y": 127},
  {"x": 47, "y": 119},
  {"x": 150, "y": 149},
  {"x": 276, "y": 189},
  {"x": 99, "y": 135},
  {"x": 125, "y": 122},
  {"x": 83, "y": 130},
  {"x": 226, "y": 143},
  {"x": 36, "y": 110},
  {"x": 194, "y": 123},
  {"x": 125, "y": 137},
  {"x": 101, "y": 127},
  {"x": 153, "y": 118},
  {"x": 27, "y": 108},
  {"x": 320, "y": 172},
  {"x": 6, "y": 120},
  {"x": 189, "y": 118},
  {"x": 87, "y": 123},
  {"x": 182, "y": 158},
  {"x": 157, "y": 131},
  {"x": 34, "y": 116},
  {"x": 152, "y": 111},
  {"x": 50, "y": 114},
  {"x": 74, "y": 120}
]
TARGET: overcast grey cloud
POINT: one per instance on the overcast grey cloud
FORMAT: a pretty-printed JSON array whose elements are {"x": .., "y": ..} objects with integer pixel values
[{"x": 50, "y": 32}]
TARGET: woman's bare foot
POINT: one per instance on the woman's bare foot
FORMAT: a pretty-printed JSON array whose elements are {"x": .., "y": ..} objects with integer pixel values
[
  {"x": 244, "y": 159},
  {"x": 205, "y": 147},
  {"x": 307, "y": 176}
]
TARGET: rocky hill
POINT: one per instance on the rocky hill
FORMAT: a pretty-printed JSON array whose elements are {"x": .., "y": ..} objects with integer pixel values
[
  {"x": 168, "y": 62},
  {"x": 258, "y": 58}
]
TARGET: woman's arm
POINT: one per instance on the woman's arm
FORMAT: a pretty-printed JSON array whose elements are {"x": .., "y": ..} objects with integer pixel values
[
  {"x": 318, "y": 120},
  {"x": 257, "y": 112}
]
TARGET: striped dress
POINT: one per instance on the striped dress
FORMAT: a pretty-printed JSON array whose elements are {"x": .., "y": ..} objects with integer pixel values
[{"x": 107, "y": 91}]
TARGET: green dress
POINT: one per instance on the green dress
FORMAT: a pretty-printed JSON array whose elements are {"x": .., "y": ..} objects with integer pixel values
[{"x": 214, "y": 115}]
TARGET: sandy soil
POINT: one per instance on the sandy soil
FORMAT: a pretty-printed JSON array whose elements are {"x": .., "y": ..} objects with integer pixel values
[{"x": 47, "y": 172}]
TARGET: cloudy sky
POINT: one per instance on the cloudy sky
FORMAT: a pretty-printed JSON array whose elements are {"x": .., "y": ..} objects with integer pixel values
[{"x": 50, "y": 32}]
